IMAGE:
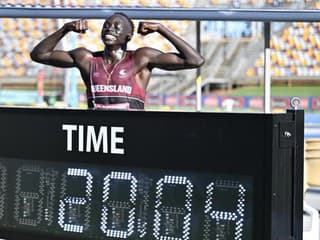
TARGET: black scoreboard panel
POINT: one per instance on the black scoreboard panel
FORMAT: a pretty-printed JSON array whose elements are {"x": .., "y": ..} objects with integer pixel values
[
  {"x": 91, "y": 202},
  {"x": 82, "y": 174}
]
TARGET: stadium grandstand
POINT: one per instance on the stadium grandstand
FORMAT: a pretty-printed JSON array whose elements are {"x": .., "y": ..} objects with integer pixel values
[
  {"x": 20, "y": 35},
  {"x": 233, "y": 50},
  {"x": 296, "y": 52}
]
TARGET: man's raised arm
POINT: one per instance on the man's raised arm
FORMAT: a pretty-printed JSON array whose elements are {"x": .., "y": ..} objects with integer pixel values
[
  {"x": 187, "y": 56},
  {"x": 44, "y": 51}
]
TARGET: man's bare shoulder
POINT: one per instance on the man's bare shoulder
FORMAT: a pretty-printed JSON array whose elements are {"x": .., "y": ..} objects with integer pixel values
[
  {"x": 146, "y": 52},
  {"x": 82, "y": 51}
]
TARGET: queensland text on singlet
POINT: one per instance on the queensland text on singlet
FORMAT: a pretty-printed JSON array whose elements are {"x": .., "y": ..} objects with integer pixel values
[{"x": 114, "y": 83}]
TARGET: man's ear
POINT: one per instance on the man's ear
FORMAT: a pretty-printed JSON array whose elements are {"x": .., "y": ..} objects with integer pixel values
[{"x": 129, "y": 37}]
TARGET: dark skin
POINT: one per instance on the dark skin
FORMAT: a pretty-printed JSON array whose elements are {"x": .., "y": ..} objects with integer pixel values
[{"x": 115, "y": 34}]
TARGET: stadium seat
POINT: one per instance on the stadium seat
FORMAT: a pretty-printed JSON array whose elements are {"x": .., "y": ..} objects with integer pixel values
[{"x": 297, "y": 49}]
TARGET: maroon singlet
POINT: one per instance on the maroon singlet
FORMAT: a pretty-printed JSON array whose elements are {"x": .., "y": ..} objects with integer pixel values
[{"x": 114, "y": 86}]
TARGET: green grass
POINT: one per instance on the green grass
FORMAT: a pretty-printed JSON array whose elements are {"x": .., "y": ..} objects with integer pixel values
[{"x": 299, "y": 91}]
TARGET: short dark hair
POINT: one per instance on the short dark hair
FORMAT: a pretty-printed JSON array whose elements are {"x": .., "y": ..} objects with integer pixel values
[{"x": 128, "y": 19}]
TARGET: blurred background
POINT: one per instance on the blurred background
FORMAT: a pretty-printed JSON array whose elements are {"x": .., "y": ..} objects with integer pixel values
[{"x": 232, "y": 77}]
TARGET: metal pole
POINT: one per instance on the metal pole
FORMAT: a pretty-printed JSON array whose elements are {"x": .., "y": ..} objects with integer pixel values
[
  {"x": 198, "y": 79},
  {"x": 194, "y": 14},
  {"x": 267, "y": 64}
]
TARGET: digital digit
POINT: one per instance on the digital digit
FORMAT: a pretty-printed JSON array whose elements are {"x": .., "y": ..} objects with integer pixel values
[
  {"x": 224, "y": 210},
  {"x": 51, "y": 176},
  {"x": 3, "y": 186},
  {"x": 143, "y": 204},
  {"x": 29, "y": 195},
  {"x": 173, "y": 206},
  {"x": 75, "y": 203},
  {"x": 119, "y": 200}
]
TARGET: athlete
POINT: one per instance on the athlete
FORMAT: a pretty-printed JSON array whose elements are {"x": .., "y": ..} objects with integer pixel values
[{"x": 116, "y": 78}]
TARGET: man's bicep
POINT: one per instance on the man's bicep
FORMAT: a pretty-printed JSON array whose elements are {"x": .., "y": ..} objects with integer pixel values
[
  {"x": 60, "y": 58},
  {"x": 168, "y": 61},
  {"x": 159, "y": 59},
  {"x": 155, "y": 58}
]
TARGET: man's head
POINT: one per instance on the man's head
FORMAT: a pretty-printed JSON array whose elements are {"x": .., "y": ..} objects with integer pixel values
[{"x": 117, "y": 29}]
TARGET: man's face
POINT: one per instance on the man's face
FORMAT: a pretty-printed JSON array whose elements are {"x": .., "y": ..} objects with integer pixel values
[{"x": 115, "y": 30}]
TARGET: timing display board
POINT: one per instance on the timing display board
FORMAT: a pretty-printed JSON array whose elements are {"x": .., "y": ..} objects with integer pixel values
[{"x": 82, "y": 174}]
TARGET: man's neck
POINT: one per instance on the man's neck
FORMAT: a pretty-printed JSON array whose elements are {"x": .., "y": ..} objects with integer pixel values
[{"x": 113, "y": 55}]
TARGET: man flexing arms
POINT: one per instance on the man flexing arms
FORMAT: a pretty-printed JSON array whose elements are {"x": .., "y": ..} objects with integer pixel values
[{"x": 116, "y": 78}]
